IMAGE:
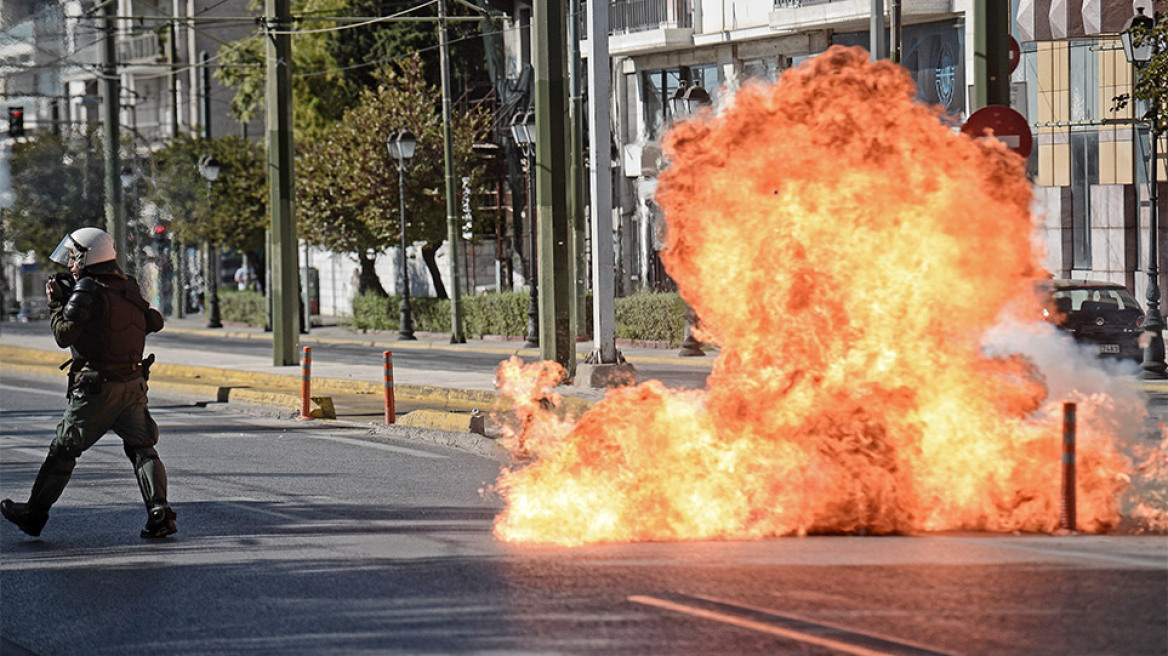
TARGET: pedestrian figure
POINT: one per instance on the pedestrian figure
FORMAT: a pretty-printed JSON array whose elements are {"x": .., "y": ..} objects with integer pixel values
[
  {"x": 243, "y": 278},
  {"x": 99, "y": 313}
]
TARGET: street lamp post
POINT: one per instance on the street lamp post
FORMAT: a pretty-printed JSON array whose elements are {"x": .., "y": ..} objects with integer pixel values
[
  {"x": 401, "y": 146},
  {"x": 523, "y": 132},
  {"x": 209, "y": 169},
  {"x": 132, "y": 263},
  {"x": 1140, "y": 46},
  {"x": 686, "y": 101}
]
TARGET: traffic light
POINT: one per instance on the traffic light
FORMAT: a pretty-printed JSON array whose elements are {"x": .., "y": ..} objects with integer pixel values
[{"x": 16, "y": 122}]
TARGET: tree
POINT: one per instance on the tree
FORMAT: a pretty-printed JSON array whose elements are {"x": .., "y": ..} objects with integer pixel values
[
  {"x": 1150, "y": 85},
  {"x": 347, "y": 186},
  {"x": 58, "y": 185},
  {"x": 320, "y": 92},
  {"x": 361, "y": 51},
  {"x": 235, "y": 213}
]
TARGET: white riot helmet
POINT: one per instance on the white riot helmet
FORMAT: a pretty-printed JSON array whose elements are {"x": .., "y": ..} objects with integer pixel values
[{"x": 90, "y": 245}]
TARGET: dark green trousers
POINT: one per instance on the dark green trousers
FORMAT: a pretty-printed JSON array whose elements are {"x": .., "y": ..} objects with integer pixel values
[{"x": 93, "y": 411}]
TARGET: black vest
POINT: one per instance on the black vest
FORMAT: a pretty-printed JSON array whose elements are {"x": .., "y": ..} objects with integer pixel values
[{"x": 115, "y": 334}]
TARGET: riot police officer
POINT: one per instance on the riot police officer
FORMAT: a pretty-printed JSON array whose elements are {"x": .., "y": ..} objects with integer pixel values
[{"x": 100, "y": 314}]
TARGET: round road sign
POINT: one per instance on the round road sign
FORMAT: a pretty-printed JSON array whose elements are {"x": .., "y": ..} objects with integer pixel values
[
  {"x": 1001, "y": 123},
  {"x": 1015, "y": 54}
]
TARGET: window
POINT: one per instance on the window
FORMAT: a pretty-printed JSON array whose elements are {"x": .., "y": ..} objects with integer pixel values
[{"x": 659, "y": 86}]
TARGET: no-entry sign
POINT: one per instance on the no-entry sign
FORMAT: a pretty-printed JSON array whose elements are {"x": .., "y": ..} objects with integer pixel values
[{"x": 1001, "y": 123}]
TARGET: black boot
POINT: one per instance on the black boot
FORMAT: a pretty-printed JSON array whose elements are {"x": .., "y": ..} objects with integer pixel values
[
  {"x": 161, "y": 523},
  {"x": 29, "y": 520}
]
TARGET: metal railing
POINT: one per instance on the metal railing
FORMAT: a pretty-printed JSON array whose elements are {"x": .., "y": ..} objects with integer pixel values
[
  {"x": 141, "y": 48},
  {"x": 795, "y": 4},
  {"x": 625, "y": 16}
]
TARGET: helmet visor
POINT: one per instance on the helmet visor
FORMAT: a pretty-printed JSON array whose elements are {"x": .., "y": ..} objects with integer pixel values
[{"x": 63, "y": 250}]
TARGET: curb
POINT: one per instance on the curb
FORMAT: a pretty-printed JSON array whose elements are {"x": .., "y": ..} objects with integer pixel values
[{"x": 504, "y": 346}]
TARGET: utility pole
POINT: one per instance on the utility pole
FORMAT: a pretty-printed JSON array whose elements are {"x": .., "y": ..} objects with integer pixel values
[
  {"x": 282, "y": 273},
  {"x": 991, "y": 53},
  {"x": 879, "y": 47},
  {"x": 178, "y": 294},
  {"x": 604, "y": 366},
  {"x": 895, "y": 32},
  {"x": 453, "y": 231},
  {"x": 576, "y": 173},
  {"x": 115, "y": 216},
  {"x": 556, "y": 339}
]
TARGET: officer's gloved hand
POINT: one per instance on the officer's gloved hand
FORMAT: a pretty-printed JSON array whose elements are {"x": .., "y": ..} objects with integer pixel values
[{"x": 59, "y": 287}]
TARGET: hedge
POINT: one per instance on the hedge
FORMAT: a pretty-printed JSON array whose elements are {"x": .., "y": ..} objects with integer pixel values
[
  {"x": 243, "y": 307},
  {"x": 644, "y": 316}
]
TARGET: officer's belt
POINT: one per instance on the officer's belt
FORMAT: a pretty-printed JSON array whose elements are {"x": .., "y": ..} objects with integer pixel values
[{"x": 119, "y": 373}]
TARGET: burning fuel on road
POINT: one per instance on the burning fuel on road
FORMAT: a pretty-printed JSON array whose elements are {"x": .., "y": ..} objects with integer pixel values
[{"x": 849, "y": 253}]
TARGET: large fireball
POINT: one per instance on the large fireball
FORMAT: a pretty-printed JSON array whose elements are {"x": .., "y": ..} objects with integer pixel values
[{"x": 848, "y": 251}]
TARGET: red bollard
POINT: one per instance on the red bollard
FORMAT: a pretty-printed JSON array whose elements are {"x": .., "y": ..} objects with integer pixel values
[
  {"x": 390, "y": 410},
  {"x": 1067, "y": 506},
  {"x": 306, "y": 383}
]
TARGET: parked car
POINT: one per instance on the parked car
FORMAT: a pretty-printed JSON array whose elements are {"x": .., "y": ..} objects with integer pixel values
[{"x": 1099, "y": 313}]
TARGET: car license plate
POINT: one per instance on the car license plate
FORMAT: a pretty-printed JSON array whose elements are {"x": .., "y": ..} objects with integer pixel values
[{"x": 1109, "y": 348}]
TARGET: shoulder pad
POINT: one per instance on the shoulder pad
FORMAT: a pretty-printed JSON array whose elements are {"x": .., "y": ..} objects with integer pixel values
[
  {"x": 81, "y": 302},
  {"x": 87, "y": 284}
]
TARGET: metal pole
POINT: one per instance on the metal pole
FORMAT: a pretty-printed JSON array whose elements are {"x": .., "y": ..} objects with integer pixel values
[
  {"x": 282, "y": 278},
  {"x": 407, "y": 321},
  {"x": 878, "y": 49},
  {"x": 211, "y": 249},
  {"x": 894, "y": 31},
  {"x": 1154, "y": 366},
  {"x": 603, "y": 266},
  {"x": 306, "y": 384},
  {"x": 557, "y": 339},
  {"x": 115, "y": 218},
  {"x": 453, "y": 233},
  {"x": 533, "y": 246},
  {"x": 1067, "y": 502},
  {"x": 387, "y": 374}
]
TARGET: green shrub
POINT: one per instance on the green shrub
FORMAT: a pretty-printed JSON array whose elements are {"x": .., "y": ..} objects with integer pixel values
[
  {"x": 373, "y": 312},
  {"x": 651, "y": 316},
  {"x": 243, "y": 307},
  {"x": 644, "y": 316},
  {"x": 495, "y": 314}
]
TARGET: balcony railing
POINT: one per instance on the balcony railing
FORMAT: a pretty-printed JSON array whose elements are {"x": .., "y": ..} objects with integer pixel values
[
  {"x": 795, "y": 4},
  {"x": 625, "y": 16},
  {"x": 139, "y": 49}
]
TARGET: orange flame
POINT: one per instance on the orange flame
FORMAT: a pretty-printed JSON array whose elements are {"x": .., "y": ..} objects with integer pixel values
[{"x": 847, "y": 251}]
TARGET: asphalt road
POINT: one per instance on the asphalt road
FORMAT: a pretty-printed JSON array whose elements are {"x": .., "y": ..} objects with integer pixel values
[{"x": 321, "y": 538}]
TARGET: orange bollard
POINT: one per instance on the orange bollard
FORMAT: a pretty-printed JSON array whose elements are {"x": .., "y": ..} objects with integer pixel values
[
  {"x": 1067, "y": 505},
  {"x": 306, "y": 383},
  {"x": 390, "y": 410}
]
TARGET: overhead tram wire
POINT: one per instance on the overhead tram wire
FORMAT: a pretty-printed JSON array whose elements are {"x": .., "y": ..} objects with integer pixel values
[{"x": 378, "y": 62}]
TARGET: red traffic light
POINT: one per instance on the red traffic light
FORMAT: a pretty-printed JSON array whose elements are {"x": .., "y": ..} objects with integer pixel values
[{"x": 159, "y": 230}]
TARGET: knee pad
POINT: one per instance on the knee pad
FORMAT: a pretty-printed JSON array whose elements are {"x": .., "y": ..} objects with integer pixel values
[
  {"x": 141, "y": 455},
  {"x": 64, "y": 453}
]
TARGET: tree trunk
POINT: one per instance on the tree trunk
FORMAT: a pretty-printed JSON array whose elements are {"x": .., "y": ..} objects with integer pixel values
[
  {"x": 430, "y": 257},
  {"x": 370, "y": 283},
  {"x": 259, "y": 268}
]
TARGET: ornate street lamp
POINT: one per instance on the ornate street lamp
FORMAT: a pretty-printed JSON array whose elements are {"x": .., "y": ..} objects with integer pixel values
[
  {"x": 209, "y": 169},
  {"x": 1140, "y": 46},
  {"x": 686, "y": 101},
  {"x": 523, "y": 132},
  {"x": 401, "y": 146}
]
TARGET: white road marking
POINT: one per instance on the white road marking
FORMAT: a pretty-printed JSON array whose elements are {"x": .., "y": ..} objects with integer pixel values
[
  {"x": 775, "y": 627},
  {"x": 1158, "y": 562},
  {"x": 372, "y": 445},
  {"x": 33, "y": 390}
]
